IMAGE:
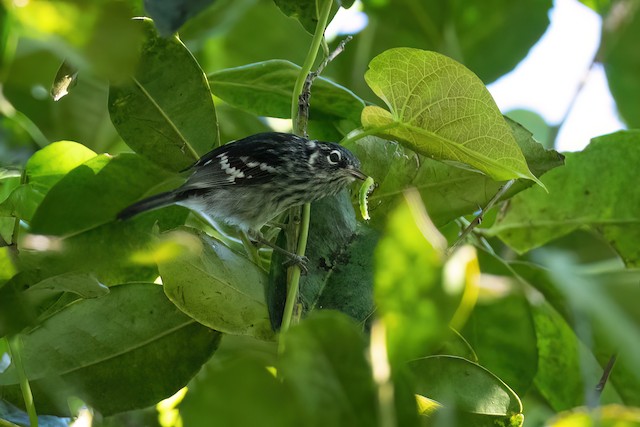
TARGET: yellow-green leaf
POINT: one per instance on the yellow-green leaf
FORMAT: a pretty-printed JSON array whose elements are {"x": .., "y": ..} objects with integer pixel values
[{"x": 440, "y": 109}]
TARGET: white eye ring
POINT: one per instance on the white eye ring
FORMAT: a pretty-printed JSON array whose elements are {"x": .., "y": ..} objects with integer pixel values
[{"x": 334, "y": 157}]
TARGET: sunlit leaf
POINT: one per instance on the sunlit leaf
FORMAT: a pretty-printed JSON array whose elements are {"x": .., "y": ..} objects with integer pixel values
[
  {"x": 113, "y": 260},
  {"x": 408, "y": 287},
  {"x": 7, "y": 267},
  {"x": 83, "y": 31},
  {"x": 605, "y": 416},
  {"x": 590, "y": 191},
  {"x": 93, "y": 193},
  {"x": 510, "y": 351},
  {"x": 48, "y": 165},
  {"x": 219, "y": 288},
  {"x": 440, "y": 109}
]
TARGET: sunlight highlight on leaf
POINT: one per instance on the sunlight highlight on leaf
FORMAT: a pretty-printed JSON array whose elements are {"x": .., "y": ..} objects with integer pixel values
[{"x": 439, "y": 108}]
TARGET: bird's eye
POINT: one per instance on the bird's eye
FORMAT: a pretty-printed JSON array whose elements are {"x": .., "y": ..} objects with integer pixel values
[{"x": 334, "y": 157}]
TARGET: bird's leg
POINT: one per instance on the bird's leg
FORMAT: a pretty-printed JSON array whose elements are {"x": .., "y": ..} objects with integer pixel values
[{"x": 294, "y": 259}]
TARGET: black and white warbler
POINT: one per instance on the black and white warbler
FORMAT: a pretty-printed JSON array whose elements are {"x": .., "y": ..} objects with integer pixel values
[{"x": 248, "y": 182}]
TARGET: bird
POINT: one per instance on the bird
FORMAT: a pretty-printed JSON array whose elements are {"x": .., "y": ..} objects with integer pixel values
[{"x": 248, "y": 182}]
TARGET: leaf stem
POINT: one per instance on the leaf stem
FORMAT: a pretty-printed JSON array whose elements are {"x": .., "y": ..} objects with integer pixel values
[
  {"x": 16, "y": 223},
  {"x": 555, "y": 130},
  {"x": 299, "y": 127},
  {"x": 15, "y": 350},
  {"x": 362, "y": 133},
  {"x": 605, "y": 377},
  {"x": 251, "y": 250},
  {"x": 323, "y": 17},
  {"x": 294, "y": 282},
  {"x": 478, "y": 219}
]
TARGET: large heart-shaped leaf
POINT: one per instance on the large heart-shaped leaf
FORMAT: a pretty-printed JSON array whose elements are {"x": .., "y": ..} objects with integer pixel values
[
  {"x": 448, "y": 191},
  {"x": 439, "y": 108}
]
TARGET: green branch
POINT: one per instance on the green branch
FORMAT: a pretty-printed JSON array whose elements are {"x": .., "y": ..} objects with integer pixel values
[
  {"x": 300, "y": 128},
  {"x": 15, "y": 351},
  {"x": 316, "y": 42}
]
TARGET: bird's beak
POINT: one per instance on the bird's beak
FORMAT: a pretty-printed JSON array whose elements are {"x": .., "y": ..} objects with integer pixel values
[{"x": 357, "y": 174}]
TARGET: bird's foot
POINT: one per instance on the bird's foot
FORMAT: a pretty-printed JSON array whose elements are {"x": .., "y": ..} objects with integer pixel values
[{"x": 300, "y": 261}]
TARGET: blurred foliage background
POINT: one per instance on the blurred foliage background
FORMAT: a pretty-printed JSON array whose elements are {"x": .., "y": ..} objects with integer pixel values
[{"x": 539, "y": 308}]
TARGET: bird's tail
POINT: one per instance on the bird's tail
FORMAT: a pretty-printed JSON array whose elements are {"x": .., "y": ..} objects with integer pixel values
[{"x": 153, "y": 202}]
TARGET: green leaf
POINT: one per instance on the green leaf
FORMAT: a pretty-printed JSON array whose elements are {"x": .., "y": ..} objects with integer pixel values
[
  {"x": 621, "y": 58},
  {"x": 467, "y": 387},
  {"x": 340, "y": 252},
  {"x": 93, "y": 193},
  {"x": 573, "y": 304},
  {"x": 265, "y": 89},
  {"x": 170, "y": 15},
  {"x": 97, "y": 342},
  {"x": 165, "y": 114},
  {"x": 81, "y": 284},
  {"x": 115, "y": 259},
  {"x": 16, "y": 312},
  {"x": 509, "y": 351},
  {"x": 227, "y": 44},
  {"x": 305, "y": 11},
  {"x": 408, "y": 291},
  {"x": 218, "y": 288},
  {"x": 22, "y": 203},
  {"x": 451, "y": 191},
  {"x": 457, "y": 345},
  {"x": 43, "y": 170},
  {"x": 87, "y": 37},
  {"x": 223, "y": 392},
  {"x": 601, "y": 318},
  {"x": 84, "y": 116},
  {"x": 562, "y": 352},
  {"x": 600, "y": 6},
  {"x": 533, "y": 123},
  {"x": 5, "y": 50},
  {"x": 7, "y": 267},
  {"x": 605, "y": 416},
  {"x": 468, "y": 31},
  {"x": 440, "y": 109},
  {"x": 590, "y": 191},
  {"x": 324, "y": 364},
  {"x": 47, "y": 166}
]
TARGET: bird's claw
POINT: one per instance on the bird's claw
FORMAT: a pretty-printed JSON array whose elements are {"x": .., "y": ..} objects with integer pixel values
[{"x": 299, "y": 260}]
